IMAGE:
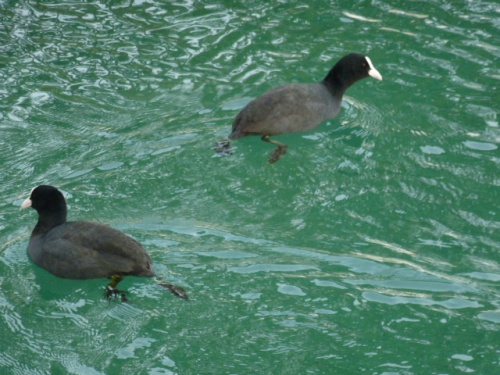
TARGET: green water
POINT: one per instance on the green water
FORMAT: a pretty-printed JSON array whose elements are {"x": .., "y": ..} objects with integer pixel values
[{"x": 370, "y": 248}]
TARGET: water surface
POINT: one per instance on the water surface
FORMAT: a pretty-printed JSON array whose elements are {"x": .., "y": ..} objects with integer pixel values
[{"x": 371, "y": 247}]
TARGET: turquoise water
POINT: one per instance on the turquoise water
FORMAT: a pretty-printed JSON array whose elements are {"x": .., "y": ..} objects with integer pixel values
[{"x": 370, "y": 247}]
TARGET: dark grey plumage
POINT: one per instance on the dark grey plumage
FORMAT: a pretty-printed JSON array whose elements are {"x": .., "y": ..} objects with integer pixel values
[
  {"x": 300, "y": 107},
  {"x": 82, "y": 249}
]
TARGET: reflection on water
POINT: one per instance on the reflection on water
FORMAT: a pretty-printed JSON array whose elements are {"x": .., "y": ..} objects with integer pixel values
[{"x": 371, "y": 245}]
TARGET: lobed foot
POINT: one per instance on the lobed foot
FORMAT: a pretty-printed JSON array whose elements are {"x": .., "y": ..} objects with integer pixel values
[
  {"x": 112, "y": 291},
  {"x": 174, "y": 289},
  {"x": 277, "y": 154},
  {"x": 223, "y": 148}
]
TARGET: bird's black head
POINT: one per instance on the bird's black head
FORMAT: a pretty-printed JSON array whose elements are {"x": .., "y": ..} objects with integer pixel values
[
  {"x": 47, "y": 201},
  {"x": 348, "y": 70}
]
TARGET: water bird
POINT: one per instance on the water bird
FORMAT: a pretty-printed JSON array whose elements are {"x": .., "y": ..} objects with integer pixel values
[
  {"x": 85, "y": 250},
  {"x": 299, "y": 107}
]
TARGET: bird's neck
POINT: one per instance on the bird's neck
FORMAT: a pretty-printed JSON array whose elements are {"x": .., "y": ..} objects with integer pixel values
[
  {"x": 337, "y": 82},
  {"x": 335, "y": 87},
  {"x": 47, "y": 222}
]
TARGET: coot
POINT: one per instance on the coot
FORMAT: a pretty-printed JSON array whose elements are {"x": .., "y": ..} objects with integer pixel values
[
  {"x": 82, "y": 249},
  {"x": 300, "y": 107}
]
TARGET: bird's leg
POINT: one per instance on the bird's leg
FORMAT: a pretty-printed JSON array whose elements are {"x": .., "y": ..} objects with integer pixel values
[
  {"x": 278, "y": 152},
  {"x": 112, "y": 291}
]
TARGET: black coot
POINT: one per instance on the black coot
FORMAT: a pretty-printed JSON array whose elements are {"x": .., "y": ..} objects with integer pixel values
[
  {"x": 299, "y": 107},
  {"x": 84, "y": 250}
]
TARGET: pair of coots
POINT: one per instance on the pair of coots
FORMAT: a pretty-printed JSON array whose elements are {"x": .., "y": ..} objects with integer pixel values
[{"x": 86, "y": 250}]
